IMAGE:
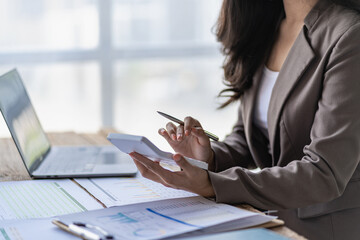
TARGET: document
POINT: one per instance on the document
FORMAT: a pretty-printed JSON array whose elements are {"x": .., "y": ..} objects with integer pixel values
[
  {"x": 256, "y": 233},
  {"x": 164, "y": 218},
  {"x": 32, "y": 229},
  {"x": 43, "y": 198},
  {"x": 123, "y": 191}
]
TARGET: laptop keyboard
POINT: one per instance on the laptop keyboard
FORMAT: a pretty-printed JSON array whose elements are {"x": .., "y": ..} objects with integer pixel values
[{"x": 72, "y": 161}]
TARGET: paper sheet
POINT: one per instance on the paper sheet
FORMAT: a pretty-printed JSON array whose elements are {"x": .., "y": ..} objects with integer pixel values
[
  {"x": 249, "y": 234},
  {"x": 32, "y": 229},
  {"x": 122, "y": 191},
  {"x": 165, "y": 218},
  {"x": 43, "y": 198}
]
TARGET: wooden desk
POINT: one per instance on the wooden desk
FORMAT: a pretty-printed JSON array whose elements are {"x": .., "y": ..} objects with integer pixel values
[{"x": 13, "y": 169}]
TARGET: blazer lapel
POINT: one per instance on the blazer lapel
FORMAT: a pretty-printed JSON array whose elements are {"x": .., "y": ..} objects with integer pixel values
[
  {"x": 248, "y": 104},
  {"x": 296, "y": 63}
]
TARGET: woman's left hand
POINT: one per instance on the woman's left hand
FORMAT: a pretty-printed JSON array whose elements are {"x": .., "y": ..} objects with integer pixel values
[{"x": 191, "y": 178}]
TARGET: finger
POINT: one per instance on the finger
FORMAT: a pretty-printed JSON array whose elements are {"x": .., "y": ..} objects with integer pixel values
[
  {"x": 179, "y": 132},
  {"x": 171, "y": 129},
  {"x": 182, "y": 163},
  {"x": 165, "y": 134},
  {"x": 203, "y": 139},
  {"x": 189, "y": 123},
  {"x": 146, "y": 173},
  {"x": 160, "y": 179},
  {"x": 167, "y": 178},
  {"x": 151, "y": 165}
]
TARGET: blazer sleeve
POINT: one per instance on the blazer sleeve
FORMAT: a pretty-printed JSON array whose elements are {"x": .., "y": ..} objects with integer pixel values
[
  {"x": 329, "y": 160},
  {"x": 233, "y": 151}
]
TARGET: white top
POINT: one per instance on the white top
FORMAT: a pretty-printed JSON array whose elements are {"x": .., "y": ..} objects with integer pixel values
[{"x": 263, "y": 99}]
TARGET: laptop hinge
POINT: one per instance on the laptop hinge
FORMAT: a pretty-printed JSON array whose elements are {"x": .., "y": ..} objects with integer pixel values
[{"x": 38, "y": 161}]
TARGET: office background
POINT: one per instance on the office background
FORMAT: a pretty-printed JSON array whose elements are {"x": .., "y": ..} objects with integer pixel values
[{"x": 94, "y": 63}]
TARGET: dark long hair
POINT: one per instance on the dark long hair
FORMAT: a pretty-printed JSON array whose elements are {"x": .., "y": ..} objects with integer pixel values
[{"x": 247, "y": 30}]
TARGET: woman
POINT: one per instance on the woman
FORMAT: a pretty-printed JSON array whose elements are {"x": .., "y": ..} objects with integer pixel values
[{"x": 295, "y": 66}]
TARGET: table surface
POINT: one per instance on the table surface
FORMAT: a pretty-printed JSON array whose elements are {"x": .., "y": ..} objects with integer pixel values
[{"x": 13, "y": 169}]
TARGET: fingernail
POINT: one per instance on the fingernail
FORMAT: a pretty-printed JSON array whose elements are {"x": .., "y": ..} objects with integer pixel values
[
  {"x": 173, "y": 136},
  {"x": 179, "y": 136},
  {"x": 177, "y": 157}
]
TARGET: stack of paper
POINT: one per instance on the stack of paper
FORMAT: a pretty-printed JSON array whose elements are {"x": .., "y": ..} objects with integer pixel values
[
  {"x": 166, "y": 218},
  {"x": 256, "y": 233},
  {"x": 142, "y": 209}
]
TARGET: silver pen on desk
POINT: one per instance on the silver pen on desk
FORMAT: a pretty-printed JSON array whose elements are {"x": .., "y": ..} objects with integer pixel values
[
  {"x": 90, "y": 226},
  {"x": 209, "y": 134},
  {"x": 77, "y": 231}
]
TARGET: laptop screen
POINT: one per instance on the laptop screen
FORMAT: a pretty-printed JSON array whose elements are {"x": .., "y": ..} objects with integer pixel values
[{"x": 22, "y": 120}]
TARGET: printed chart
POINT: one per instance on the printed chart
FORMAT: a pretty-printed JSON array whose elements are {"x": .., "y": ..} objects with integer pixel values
[
  {"x": 123, "y": 191},
  {"x": 165, "y": 218}
]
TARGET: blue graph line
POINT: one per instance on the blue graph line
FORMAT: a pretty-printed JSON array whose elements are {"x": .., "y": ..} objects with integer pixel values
[{"x": 173, "y": 219}]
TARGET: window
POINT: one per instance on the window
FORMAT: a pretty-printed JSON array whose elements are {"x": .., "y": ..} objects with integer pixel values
[{"x": 94, "y": 63}]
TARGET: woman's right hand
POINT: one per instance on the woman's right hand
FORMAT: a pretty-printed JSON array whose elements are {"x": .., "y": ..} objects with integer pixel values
[{"x": 189, "y": 140}]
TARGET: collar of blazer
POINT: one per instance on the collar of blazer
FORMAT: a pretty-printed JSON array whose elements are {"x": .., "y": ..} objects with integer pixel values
[{"x": 295, "y": 65}]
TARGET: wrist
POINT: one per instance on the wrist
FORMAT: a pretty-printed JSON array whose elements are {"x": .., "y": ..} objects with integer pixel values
[
  {"x": 209, "y": 189},
  {"x": 211, "y": 160}
]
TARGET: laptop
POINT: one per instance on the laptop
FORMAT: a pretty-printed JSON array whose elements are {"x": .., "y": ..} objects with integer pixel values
[{"x": 43, "y": 160}]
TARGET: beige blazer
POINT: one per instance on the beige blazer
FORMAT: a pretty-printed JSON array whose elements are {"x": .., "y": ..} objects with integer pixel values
[{"x": 313, "y": 172}]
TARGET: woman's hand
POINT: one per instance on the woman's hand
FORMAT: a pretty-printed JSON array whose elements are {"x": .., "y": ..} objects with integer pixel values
[
  {"x": 189, "y": 140},
  {"x": 191, "y": 178}
]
